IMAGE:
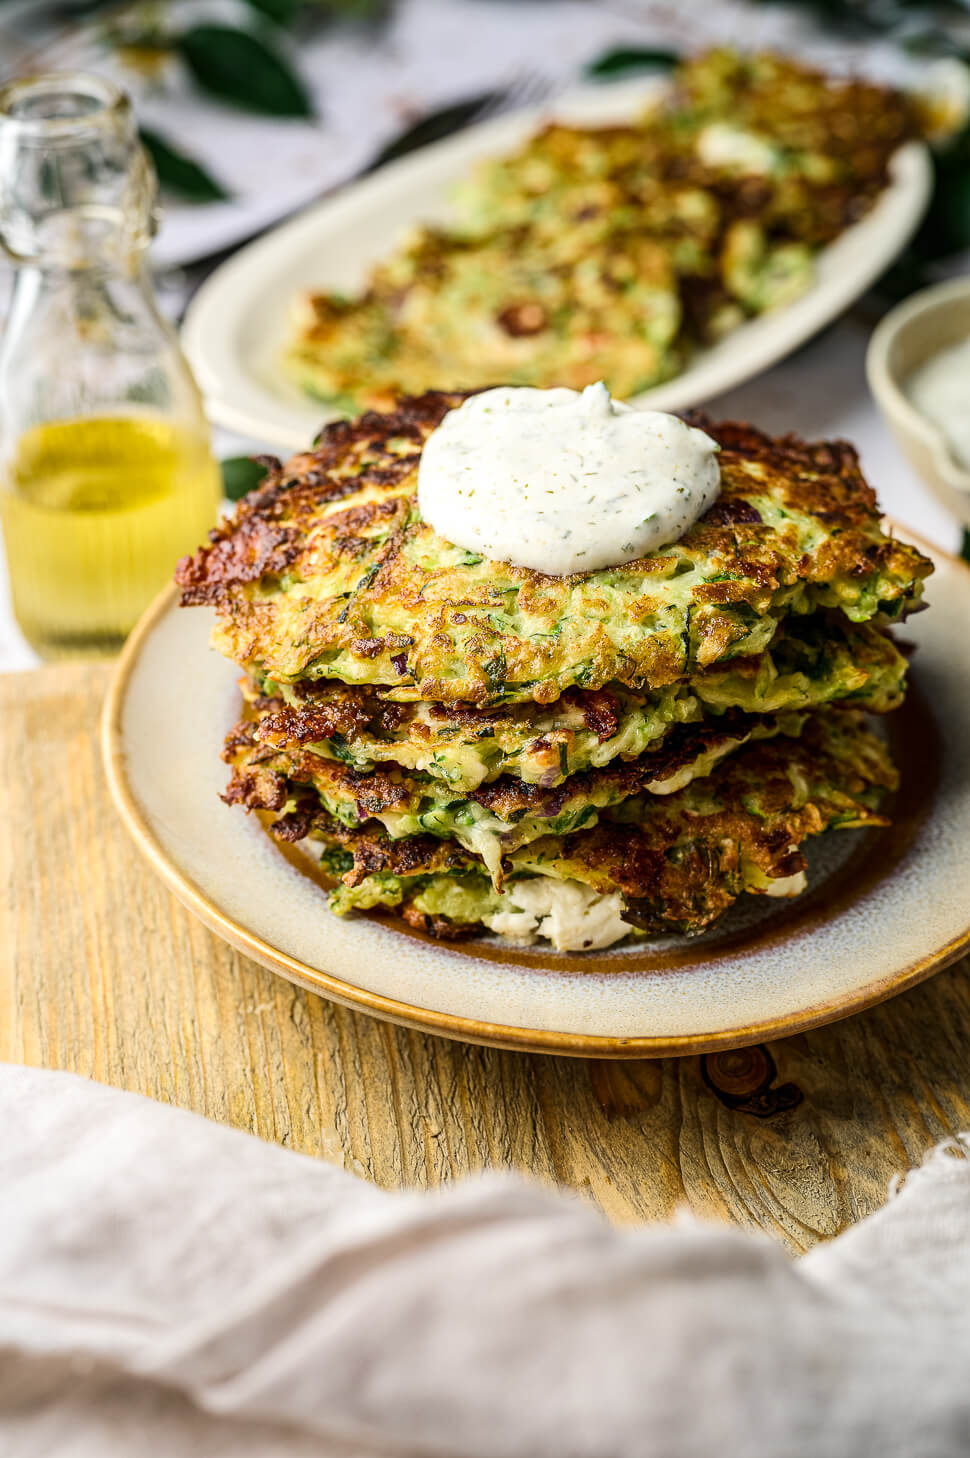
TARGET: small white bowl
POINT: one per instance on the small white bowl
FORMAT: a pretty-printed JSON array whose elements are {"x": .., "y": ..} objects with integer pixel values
[{"x": 930, "y": 321}]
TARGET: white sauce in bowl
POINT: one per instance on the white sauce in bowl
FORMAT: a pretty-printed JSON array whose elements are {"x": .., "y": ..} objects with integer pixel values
[
  {"x": 940, "y": 390},
  {"x": 564, "y": 482}
]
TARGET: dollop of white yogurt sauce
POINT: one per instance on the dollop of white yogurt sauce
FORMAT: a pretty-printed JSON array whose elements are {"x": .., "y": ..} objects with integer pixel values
[
  {"x": 940, "y": 390},
  {"x": 562, "y": 481}
]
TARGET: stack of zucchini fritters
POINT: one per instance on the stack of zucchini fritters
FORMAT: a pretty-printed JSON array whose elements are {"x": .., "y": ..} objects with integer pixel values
[{"x": 624, "y": 752}]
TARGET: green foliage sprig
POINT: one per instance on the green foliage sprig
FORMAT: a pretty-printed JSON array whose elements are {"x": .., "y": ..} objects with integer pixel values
[
  {"x": 240, "y": 475},
  {"x": 908, "y": 21},
  {"x": 630, "y": 61},
  {"x": 179, "y": 173},
  {"x": 247, "y": 66}
]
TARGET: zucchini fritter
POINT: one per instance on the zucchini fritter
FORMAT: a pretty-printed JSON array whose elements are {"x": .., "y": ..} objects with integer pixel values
[
  {"x": 498, "y": 817},
  {"x": 584, "y": 758},
  {"x": 661, "y": 864},
  {"x": 512, "y": 306},
  {"x": 812, "y": 661},
  {"x": 328, "y": 571},
  {"x": 738, "y": 136}
]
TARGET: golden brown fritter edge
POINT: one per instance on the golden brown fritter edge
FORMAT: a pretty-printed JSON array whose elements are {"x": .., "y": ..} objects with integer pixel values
[
  {"x": 265, "y": 773},
  {"x": 679, "y": 869},
  {"x": 375, "y": 611}
]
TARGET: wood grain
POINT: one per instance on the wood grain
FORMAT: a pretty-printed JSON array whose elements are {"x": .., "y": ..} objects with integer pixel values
[{"x": 104, "y": 974}]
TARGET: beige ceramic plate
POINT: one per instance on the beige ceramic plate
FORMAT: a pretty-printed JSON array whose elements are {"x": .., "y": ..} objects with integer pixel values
[{"x": 886, "y": 908}]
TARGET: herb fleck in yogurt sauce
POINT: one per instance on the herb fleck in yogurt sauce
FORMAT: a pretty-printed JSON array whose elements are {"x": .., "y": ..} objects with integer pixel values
[{"x": 564, "y": 482}]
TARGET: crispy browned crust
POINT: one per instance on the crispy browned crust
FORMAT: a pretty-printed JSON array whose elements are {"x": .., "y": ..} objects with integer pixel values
[
  {"x": 263, "y": 780},
  {"x": 685, "y": 861},
  {"x": 600, "y": 713},
  {"x": 356, "y": 725},
  {"x": 438, "y": 927},
  {"x": 262, "y": 771},
  {"x": 267, "y": 532},
  {"x": 329, "y": 709},
  {"x": 347, "y": 713},
  {"x": 322, "y": 571},
  {"x": 376, "y": 854}
]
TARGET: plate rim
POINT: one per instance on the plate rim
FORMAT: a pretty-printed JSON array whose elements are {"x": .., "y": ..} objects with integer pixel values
[
  {"x": 430, "y": 1020},
  {"x": 220, "y": 373}
]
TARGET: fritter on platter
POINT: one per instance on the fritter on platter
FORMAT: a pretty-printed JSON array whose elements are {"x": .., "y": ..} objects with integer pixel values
[{"x": 612, "y": 253}]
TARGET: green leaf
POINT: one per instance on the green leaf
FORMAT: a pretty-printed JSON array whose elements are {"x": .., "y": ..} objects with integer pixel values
[
  {"x": 281, "y": 12},
  {"x": 946, "y": 228},
  {"x": 240, "y": 67},
  {"x": 630, "y": 60},
  {"x": 364, "y": 10},
  {"x": 240, "y": 475},
  {"x": 179, "y": 173},
  {"x": 77, "y": 9},
  {"x": 965, "y": 549}
]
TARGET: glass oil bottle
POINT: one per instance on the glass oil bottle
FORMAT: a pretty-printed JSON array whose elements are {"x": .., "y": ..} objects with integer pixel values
[{"x": 106, "y": 475}]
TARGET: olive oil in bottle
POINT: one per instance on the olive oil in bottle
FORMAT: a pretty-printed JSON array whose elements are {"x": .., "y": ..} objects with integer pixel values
[
  {"x": 106, "y": 477},
  {"x": 95, "y": 515}
]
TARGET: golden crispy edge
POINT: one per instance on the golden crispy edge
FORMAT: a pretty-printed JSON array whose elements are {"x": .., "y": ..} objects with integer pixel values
[{"x": 268, "y": 531}]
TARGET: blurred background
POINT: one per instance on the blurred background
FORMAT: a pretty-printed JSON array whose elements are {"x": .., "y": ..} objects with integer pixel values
[{"x": 251, "y": 109}]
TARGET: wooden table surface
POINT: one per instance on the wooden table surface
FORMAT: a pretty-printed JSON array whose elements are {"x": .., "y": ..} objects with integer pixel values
[{"x": 106, "y": 975}]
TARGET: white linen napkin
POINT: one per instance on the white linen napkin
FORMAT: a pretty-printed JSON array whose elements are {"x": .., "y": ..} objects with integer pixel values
[{"x": 172, "y": 1287}]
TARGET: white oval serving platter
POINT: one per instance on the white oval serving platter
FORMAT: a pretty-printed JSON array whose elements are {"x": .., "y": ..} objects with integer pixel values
[{"x": 238, "y": 322}]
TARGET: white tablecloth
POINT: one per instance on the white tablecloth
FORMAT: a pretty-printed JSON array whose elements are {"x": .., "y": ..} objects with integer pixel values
[{"x": 171, "y": 1287}]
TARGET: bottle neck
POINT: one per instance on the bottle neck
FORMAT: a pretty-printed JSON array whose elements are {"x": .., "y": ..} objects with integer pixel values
[
  {"x": 84, "y": 337},
  {"x": 77, "y": 191},
  {"x": 77, "y": 240},
  {"x": 92, "y": 308}
]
